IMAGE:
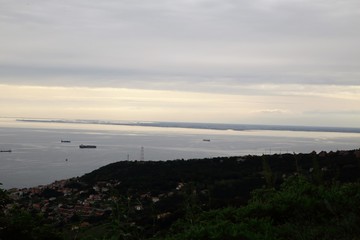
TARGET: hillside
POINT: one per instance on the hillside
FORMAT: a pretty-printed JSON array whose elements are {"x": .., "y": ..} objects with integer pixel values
[
  {"x": 166, "y": 199},
  {"x": 165, "y": 175}
]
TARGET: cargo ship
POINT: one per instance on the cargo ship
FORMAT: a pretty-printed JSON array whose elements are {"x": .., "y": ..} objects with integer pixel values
[
  {"x": 87, "y": 146},
  {"x": 9, "y": 151}
]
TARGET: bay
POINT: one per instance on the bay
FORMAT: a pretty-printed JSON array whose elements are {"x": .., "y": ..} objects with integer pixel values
[{"x": 39, "y": 157}]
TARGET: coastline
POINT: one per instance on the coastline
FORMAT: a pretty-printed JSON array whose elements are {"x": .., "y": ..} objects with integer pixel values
[
  {"x": 39, "y": 157},
  {"x": 83, "y": 203}
]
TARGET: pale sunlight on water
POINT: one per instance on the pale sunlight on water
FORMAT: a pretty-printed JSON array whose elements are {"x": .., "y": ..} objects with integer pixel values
[{"x": 39, "y": 157}]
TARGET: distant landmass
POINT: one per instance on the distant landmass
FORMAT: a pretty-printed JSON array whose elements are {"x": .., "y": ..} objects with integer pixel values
[{"x": 212, "y": 126}]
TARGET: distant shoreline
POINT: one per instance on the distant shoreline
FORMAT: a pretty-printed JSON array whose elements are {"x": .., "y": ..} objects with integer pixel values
[{"x": 210, "y": 126}]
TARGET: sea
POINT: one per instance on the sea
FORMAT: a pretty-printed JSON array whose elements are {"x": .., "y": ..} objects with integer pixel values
[{"x": 40, "y": 151}]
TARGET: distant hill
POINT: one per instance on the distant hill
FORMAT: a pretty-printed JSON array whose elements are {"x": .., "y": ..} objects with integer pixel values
[{"x": 245, "y": 173}]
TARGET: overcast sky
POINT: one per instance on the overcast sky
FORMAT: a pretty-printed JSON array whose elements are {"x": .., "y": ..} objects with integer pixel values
[{"x": 294, "y": 62}]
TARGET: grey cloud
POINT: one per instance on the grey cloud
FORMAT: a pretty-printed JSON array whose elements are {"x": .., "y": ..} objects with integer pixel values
[
  {"x": 171, "y": 43},
  {"x": 166, "y": 80}
]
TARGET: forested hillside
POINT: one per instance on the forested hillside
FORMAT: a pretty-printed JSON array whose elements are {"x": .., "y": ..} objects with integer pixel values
[{"x": 280, "y": 196}]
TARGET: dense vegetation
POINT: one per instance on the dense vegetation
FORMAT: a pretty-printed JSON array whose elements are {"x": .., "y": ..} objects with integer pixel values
[
  {"x": 17, "y": 224},
  {"x": 287, "y": 196},
  {"x": 298, "y": 210}
]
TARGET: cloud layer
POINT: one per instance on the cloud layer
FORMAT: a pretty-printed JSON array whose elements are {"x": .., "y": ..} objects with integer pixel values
[
  {"x": 277, "y": 41},
  {"x": 257, "y": 48}
]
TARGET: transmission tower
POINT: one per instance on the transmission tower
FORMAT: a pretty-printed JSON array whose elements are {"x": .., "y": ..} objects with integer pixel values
[{"x": 142, "y": 157}]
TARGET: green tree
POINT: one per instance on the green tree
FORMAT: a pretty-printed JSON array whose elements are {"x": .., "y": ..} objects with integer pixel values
[
  {"x": 122, "y": 225},
  {"x": 4, "y": 197},
  {"x": 299, "y": 210},
  {"x": 269, "y": 175},
  {"x": 19, "y": 224}
]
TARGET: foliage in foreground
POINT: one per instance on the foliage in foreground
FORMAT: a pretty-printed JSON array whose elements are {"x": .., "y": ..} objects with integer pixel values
[
  {"x": 20, "y": 224},
  {"x": 310, "y": 206},
  {"x": 298, "y": 210}
]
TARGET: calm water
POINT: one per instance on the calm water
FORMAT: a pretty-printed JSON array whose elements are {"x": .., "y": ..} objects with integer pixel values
[{"x": 39, "y": 157}]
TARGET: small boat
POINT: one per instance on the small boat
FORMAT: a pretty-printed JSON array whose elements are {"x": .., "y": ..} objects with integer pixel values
[
  {"x": 206, "y": 140},
  {"x": 65, "y": 141},
  {"x": 87, "y": 146},
  {"x": 8, "y": 151}
]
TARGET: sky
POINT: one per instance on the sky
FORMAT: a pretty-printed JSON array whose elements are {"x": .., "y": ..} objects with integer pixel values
[{"x": 283, "y": 62}]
